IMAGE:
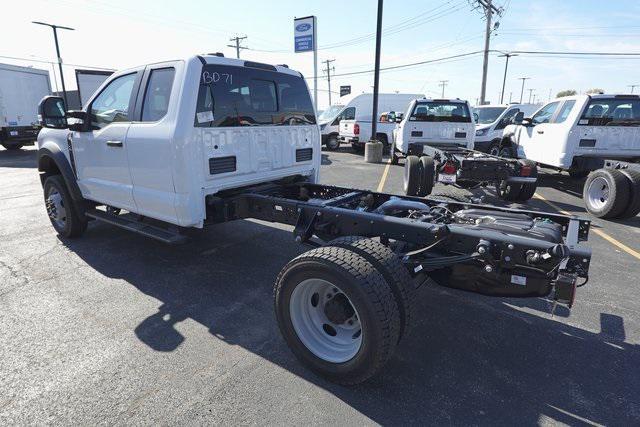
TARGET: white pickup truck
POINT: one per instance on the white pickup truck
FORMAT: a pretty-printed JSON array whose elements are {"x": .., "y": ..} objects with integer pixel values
[
  {"x": 207, "y": 140},
  {"x": 577, "y": 133},
  {"x": 358, "y": 132}
]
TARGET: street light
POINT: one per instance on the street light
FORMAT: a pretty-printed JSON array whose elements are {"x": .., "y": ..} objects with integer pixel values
[
  {"x": 522, "y": 90},
  {"x": 55, "y": 38},
  {"x": 504, "y": 79}
]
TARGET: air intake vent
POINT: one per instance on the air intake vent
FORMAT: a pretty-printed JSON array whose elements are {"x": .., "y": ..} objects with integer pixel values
[
  {"x": 304, "y": 154},
  {"x": 222, "y": 165},
  {"x": 461, "y": 134}
]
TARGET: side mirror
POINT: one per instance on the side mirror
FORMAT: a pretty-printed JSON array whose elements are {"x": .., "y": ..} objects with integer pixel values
[
  {"x": 399, "y": 119},
  {"x": 81, "y": 124},
  {"x": 52, "y": 113},
  {"x": 475, "y": 117},
  {"x": 518, "y": 118}
]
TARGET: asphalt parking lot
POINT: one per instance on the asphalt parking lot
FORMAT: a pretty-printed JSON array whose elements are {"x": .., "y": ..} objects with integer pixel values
[{"x": 115, "y": 328}]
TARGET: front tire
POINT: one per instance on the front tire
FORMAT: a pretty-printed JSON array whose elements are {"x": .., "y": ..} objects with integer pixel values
[
  {"x": 337, "y": 314},
  {"x": 62, "y": 212},
  {"x": 494, "y": 149}
]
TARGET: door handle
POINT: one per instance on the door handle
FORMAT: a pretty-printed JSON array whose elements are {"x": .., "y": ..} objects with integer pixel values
[
  {"x": 540, "y": 131},
  {"x": 114, "y": 143}
]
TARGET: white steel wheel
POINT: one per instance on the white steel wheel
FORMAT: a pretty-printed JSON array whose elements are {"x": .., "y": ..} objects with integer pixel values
[
  {"x": 598, "y": 192},
  {"x": 325, "y": 320}
]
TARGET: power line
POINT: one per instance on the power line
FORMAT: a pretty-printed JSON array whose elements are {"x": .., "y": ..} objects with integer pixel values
[
  {"x": 17, "y": 58},
  {"x": 237, "y": 44}
]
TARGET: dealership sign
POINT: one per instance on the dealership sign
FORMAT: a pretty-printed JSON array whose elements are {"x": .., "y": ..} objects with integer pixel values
[
  {"x": 345, "y": 90},
  {"x": 304, "y": 34}
]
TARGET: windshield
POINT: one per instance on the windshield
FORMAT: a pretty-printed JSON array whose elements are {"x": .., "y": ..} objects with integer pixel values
[
  {"x": 619, "y": 111},
  {"x": 441, "y": 111},
  {"x": 487, "y": 115},
  {"x": 330, "y": 113}
]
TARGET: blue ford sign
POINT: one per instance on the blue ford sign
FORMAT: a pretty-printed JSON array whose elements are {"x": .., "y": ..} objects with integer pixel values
[{"x": 304, "y": 34}]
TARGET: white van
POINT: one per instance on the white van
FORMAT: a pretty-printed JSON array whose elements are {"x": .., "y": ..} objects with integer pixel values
[
  {"x": 491, "y": 121},
  {"x": 357, "y": 107}
]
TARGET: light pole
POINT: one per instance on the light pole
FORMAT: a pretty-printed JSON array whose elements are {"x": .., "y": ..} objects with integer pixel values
[
  {"x": 55, "y": 38},
  {"x": 376, "y": 75},
  {"x": 530, "y": 94},
  {"x": 443, "y": 83},
  {"x": 632, "y": 87},
  {"x": 504, "y": 79},
  {"x": 522, "y": 90}
]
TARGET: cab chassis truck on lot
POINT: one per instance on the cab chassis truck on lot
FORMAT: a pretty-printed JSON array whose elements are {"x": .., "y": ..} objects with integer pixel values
[
  {"x": 206, "y": 140},
  {"x": 514, "y": 180}
]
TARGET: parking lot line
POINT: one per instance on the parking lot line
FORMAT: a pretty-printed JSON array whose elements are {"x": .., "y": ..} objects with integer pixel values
[
  {"x": 600, "y": 233},
  {"x": 383, "y": 179}
]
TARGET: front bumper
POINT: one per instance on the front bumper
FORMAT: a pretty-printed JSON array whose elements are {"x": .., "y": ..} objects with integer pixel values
[{"x": 21, "y": 133}]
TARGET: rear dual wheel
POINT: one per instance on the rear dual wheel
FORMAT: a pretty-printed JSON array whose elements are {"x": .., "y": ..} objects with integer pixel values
[
  {"x": 419, "y": 175},
  {"x": 337, "y": 311},
  {"x": 612, "y": 193}
]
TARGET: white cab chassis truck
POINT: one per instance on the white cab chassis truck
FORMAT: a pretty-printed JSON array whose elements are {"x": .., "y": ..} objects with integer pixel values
[
  {"x": 165, "y": 147},
  {"x": 21, "y": 89},
  {"x": 436, "y": 138},
  {"x": 581, "y": 134}
]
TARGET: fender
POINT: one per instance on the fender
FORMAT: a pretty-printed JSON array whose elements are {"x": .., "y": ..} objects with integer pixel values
[{"x": 52, "y": 159}]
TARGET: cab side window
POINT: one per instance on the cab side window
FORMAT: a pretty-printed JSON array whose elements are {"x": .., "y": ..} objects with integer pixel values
[
  {"x": 564, "y": 111},
  {"x": 545, "y": 114},
  {"x": 157, "y": 94},
  {"x": 112, "y": 105},
  {"x": 349, "y": 113}
]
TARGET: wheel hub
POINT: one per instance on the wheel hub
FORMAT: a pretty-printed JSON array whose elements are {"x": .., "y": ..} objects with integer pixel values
[
  {"x": 598, "y": 192},
  {"x": 55, "y": 207},
  {"x": 325, "y": 320},
  {"x": 338, "y": 309}
]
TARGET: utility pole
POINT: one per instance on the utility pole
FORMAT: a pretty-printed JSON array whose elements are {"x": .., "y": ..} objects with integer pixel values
[
  {"x": 504, "y": 79},
  {"x": 549, "y": 96},
  {"x": 55, "y": 38},
  {"x": 328, "y": 71},
  {"x": 237, "y": 46},
  {"x": 488, "y": 10},
  {"x": 510, "y": 95},
  {"x": 632, "y": 87},
  {"x": 522, "y": 90},
  {"x": 530, "y": 93},
  {"x": 376, "y": 74},
  {"x": 443, "y": 83}
]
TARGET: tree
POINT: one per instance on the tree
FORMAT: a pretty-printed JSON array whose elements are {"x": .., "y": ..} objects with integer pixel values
[
  {"x": 568, "y": 92},
  {"x": 595, "y": 91}
]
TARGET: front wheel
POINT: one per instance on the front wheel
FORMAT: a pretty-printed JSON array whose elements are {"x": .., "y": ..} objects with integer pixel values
[
  {"x": 494, "y": 149},
  {"x": 62, "y": 212},
  {"x": 337, "y": 314}
]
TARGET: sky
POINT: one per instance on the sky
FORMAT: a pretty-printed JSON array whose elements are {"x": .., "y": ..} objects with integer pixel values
[{"x": 119, "y": 34}]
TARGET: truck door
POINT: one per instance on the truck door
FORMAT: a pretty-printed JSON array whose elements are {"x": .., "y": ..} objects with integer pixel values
[
  {"x": 101, "y": 153},
  {"x": 530, "y": 137},
  {"x": 150, "y": 143}
]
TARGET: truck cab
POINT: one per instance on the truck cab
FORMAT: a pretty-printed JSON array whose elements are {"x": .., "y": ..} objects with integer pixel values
[
  {"x": 157, "y": 140},
  {"x": 435, "y": 122},
  {"x": 576, "y": 133},
  {"x": 491, "y": 121}
]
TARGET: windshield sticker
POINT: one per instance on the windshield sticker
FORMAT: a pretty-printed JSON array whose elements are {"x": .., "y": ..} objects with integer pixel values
[{"x": 205, "y": 116}]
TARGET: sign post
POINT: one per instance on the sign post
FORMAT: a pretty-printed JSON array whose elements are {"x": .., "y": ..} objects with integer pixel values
[{"x": 305, "y": 39}]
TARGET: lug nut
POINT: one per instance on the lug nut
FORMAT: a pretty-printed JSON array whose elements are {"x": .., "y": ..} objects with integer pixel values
[
  {"x": 510, "y": 246},
  {"x": 488, "y": 268},
  {"x": 482, "y": 250}
]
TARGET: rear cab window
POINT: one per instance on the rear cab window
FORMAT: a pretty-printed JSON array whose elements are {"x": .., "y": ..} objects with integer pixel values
[
  {"x": 440, "y": 111},
  {"x": 233, "y": 96},
  {"x": 614, "y": 111}
]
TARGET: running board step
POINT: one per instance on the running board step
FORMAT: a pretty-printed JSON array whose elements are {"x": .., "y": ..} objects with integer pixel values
[{"x": 128, "y": 223}]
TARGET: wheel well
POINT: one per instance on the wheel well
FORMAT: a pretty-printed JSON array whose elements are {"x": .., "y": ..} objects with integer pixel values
[
  {"x": 505, "y": 142},
  {"x": 48, "y": 167}
]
